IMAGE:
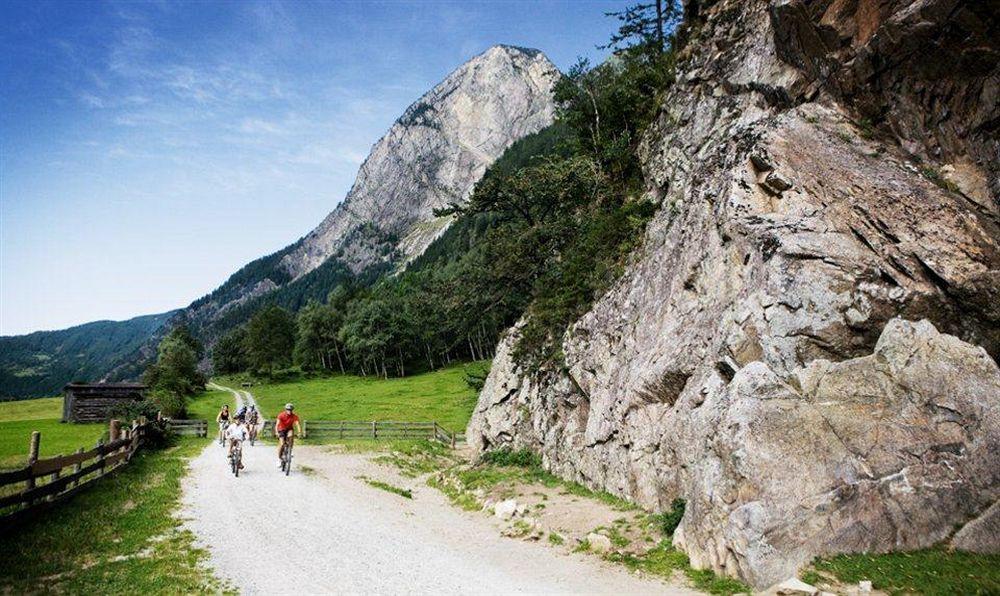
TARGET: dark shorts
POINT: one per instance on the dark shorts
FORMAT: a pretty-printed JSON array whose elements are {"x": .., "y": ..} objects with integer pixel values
[{"x": 284, "y": 433}]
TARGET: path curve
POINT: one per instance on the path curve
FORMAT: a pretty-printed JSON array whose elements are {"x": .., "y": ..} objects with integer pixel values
[{"x": 331, "y": 532}]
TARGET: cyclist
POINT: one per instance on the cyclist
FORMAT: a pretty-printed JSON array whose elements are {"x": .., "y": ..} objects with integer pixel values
[
  {"x": 241, "y": 413},
  {"x": 236, "y": 432},
  {"x": 286, "y": 424},
  {"x": 222, "y": 420},
  {"x": 253, "y": 419}
]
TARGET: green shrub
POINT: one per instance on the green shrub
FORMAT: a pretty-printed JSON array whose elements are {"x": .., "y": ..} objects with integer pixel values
[{"x": 669, "y": 520}]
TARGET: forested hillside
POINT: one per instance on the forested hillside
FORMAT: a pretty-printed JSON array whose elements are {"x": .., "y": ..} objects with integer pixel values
[
  {"x": 547, "y": 229},
  {"x": 39, "y": 364}
]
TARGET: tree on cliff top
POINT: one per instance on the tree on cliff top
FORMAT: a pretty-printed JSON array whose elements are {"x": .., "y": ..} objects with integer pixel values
[{"x": 645, "y": 26}]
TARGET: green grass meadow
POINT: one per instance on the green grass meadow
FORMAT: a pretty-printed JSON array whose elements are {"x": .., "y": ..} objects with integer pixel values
[
  {"x": 118, "y": 537},
  {"x": 440, "y": 396},
  {"x": 205, "y": 405},
  {"x": 19, "y": 418}
]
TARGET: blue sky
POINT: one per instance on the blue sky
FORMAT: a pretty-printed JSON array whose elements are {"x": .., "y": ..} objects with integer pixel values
[{"x": 150, "y": 149}]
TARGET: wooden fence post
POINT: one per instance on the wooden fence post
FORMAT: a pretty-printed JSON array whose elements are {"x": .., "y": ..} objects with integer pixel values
[
  {"x": 374, "y": 430},
  {"x": 303, "y": 428},
  {"x": 53, "y": 478},
  {"x": 36, "y": 439},
  {"x": 114, "y": 430},
  {"x": 76, "y": 467},
  {"x": 100, "y": 457},
  {"x": 341, "y": 429}
]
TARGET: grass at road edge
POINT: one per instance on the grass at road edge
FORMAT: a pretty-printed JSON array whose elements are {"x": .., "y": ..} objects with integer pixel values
[
  {"x": 933, "y": 571},
  {"x": 119, "y": 537},
  {"x": 389, "y": 488},
  {"x": 464, "y": 484}
]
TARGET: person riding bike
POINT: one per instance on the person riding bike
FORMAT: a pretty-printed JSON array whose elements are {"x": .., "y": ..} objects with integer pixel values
[
  {"x": 252, "y": 415},
  {"x": 252, "y": 420},
  {"x": 222, "y": 419},
  {"x": 236, "y": 432},
  {"x": 286, "y": 424},
  {"x": 241, "y": 413}
]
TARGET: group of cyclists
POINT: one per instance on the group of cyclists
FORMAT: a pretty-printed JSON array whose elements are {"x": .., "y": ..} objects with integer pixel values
[{"x": 234, "y": 429}]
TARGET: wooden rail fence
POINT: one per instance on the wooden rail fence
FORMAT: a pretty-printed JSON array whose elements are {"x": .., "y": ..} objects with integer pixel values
[
  {"x": 356, "y": 429},
  {"x": 42, "y": 482},
  {"x": 194, "y": 428}
]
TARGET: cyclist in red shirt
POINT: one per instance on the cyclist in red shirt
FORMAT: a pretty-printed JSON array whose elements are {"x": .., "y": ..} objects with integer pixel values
[{"x": 286, "y": 424}]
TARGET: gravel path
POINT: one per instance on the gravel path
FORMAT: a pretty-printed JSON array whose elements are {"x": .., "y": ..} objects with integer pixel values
[{"x": 324, "y": 530}]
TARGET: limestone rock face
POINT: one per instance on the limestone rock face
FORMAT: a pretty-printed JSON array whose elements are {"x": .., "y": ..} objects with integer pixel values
[
  {"x": 432, "y": 156},
  {"x": 751, "y": 360}
]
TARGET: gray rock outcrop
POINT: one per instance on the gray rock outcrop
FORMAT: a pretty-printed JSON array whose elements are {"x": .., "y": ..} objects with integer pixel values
[
  {"x": 432, "y": 156},
  {"x": 759, "y": 358}
]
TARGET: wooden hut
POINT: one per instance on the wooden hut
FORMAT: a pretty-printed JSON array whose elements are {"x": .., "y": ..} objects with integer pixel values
[{"x": 94, "y": 402}]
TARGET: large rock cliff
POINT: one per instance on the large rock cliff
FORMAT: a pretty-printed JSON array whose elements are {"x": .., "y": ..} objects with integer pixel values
[
  {"x": 432, "y": 156},
  {"x": 776, "y": 354}
]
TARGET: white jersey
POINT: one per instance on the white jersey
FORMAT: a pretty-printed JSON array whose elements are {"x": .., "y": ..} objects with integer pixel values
[{"x": 237, "y": 432}]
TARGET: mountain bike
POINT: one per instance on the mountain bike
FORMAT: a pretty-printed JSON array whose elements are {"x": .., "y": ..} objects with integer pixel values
[
  {"x": 222, "y": 433},
  {"x": 253, "y": 432},
  {"x": 286, "y": 454},
  {"x": 236, "y": 458}
]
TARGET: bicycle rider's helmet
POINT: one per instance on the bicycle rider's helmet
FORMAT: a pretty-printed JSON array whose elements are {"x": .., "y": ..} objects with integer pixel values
[{"x": 289, "y": 407}]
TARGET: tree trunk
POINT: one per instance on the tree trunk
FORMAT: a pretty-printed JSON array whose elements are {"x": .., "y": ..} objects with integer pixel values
[
  {"x": 659, "y": 24},
  {"x": 336, "y": 347}
]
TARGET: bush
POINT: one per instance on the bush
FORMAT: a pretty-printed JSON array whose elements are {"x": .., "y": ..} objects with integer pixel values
[
  {"x": 669, "y": 520},
  {"x": 475, "y": 379},
  {"x": 135, "y": 410},
  {"x": 157, "y": 435},
  {"x": 172, "y": 405}
]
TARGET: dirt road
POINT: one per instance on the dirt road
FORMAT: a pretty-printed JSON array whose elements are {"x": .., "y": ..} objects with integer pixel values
[{"x": 324, "y": 530}]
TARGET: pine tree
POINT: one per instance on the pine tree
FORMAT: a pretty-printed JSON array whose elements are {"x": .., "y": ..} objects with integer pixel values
[
  {"x": 270, "y": 339},
  {"x": 645, "y": 26}
]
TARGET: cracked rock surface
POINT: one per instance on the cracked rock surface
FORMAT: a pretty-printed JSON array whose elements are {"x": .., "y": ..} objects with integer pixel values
[{"x": 805, "y": 346}]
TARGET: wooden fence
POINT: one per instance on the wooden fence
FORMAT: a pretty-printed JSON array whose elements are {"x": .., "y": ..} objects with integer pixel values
[
  {"x": 194, "y": 428},
  {"x": 352, "y": 429},
  {"x": 42, "y": 482}
]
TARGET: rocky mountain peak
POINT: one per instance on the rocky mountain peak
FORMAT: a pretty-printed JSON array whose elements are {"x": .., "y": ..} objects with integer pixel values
[{"x": 431, "y": 156}]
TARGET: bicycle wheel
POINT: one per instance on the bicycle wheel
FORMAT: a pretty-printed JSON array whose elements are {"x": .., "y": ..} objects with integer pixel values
[
  {"x": 236, "y": 464},
  {"x": 288, "y": 462}
]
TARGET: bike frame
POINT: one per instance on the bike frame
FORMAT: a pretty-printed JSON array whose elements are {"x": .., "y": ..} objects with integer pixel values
[
  {"x": 236, "y": 458},
  {"x": 286, "y": 453}
]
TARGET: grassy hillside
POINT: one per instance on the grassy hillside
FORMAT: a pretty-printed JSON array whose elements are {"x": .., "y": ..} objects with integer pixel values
[
  {"x": 441, "y": 396},
  {"x": 19, "y": 418},
  {"x": 40, "y": 363}
]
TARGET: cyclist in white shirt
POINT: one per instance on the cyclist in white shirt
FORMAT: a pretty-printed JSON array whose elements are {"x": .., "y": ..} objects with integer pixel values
[{"x": 236, "y": 432}]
